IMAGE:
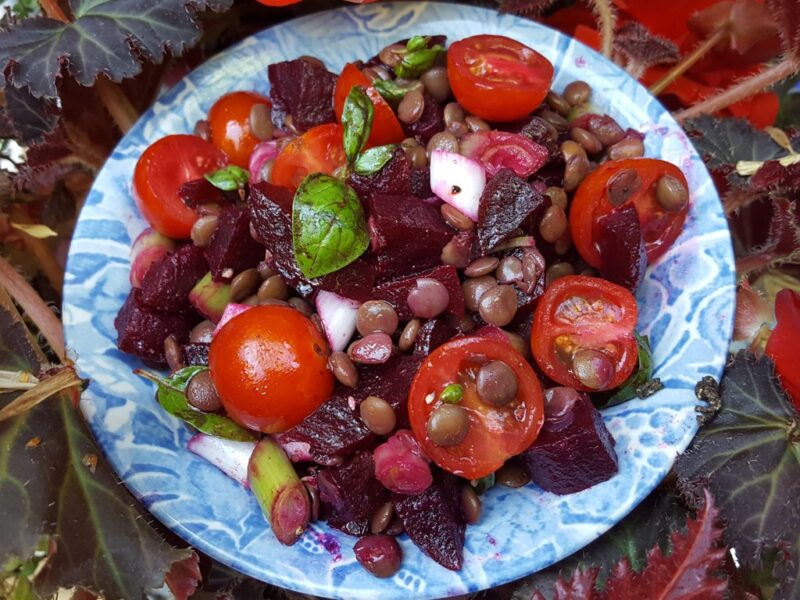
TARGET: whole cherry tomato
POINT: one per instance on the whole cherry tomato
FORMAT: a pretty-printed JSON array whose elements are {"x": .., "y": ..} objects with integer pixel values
[
  {"x": 318, "y": 150},
  {"x": 159, "y": 174},
  {"x": 386, "y": 129},
  {"x": 582, "y": 335},
  {"x": 497, "y": 78},
  {"x": 781, "y": 344},
  {"x": 229, "y": 120},
  {"x": 269, "y": 365},
  {"x": 592, "y": 200},
  {"x": 278, "y": 2},
  {"x": 495, "y": 433}
]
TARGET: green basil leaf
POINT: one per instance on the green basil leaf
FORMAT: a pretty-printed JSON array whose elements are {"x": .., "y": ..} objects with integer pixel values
[
  {"x": 228, "y": 178},
  {"x": 357, "y": 122},
  {"x": 418, "y": 42},
  {"x": 417, "y": 62},
  {"x": 329, "y": 229},
  {"x": 172, "y": 398},
  {"x": 373, "y": 160},
  {"x": 389, "y": 90},
  {"x": 631, "y": 388}
]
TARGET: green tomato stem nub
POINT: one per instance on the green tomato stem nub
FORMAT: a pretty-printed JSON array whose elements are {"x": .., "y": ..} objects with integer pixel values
[{"x": 279, "y": 492}]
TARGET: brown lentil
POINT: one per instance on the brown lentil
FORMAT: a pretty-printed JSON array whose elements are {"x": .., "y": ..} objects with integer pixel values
[
  {"x": 392, "y": 55},
  {"x": 261, "y": 121},
  {"x": 511, "y": 475},
  {"x": 533, "y": 265},
  {"x": 428, "y": 298},
  {"x": 509, "y": 270},
  {"x": 447, "y": 425},
  {"x": 470, "y": 504},
  {"x": 496, "y": 383},
  {"x": 273, "y": 288},
  {"x": 553, "y": 224},
  {"x": 498, "y": 305},
  {"x": 251, "y": 300},
  {"x": 376, "y": 316},
  {"x": 558, "y": 103},
  {"x": 381, "y": 518},
  {"x": 555, "y": 119},
  {"x": 343, "y": 369},
  {"x": 276, "y": 302},
  {"x": 623, "y": 185},
  {"x": 482, "y": 266},
  {"x": 202, "y": 129},
  {"x": 202, "y": 332},
  {"x": 576, "y": 168},
  {"x": 563, "y": 243},
  {"x": 301, "y": 306},
  {"x": 443, "y": 140},
  {"x": 378, "y": 415},
  {"x": 201, "y": 393},
  {"x": 557, "y": 195},
  {"x": 606, "y": 129},
  {"x": 458, "y": 129},
  {"x": 456, "y": 254},
  {"x": 587, "y": 140},
  {"x": 577, "y": 93},
  {"x": 453, "y": 113},
  {"x": 671, "y": 194},
  {"x": 455, "y": 218},
  {"x": 416, "y": 156},
  {"x": 173, "y": 353},
  {"x": 626, "y": 148},
  {"x": 411, "y": 106},
  {"x": 436, "y": 83},
  {"x": 203, "y": 229},
  {"x": 518, "y": 343},
  {"x": 476, "y": 123},
  {"x": 409, "y": 335},
  {"x": 372, "y": 349},
  {"x": 556, "y": 271},
  {"x": 474, "y": 289},
  {"x": 592, "y": 368},
  {"x": 244, "y": 284},
  {"x": 264, "y": 270}
]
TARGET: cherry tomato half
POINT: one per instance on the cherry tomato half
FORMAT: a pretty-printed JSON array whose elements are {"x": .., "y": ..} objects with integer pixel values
[
  {"x": 229, "y": 120},
  {"x": 278, "y": 2},
  {"x": 660, "y": 227},
  {"x": 781, "y": 346},
  {"x": 318, "y": 150},
  {"x": 386, "y": 129},
  {"x": 159, "y": 174},
  {"x": 269, "y": 365},
  {"x": 583, "y": 333},
  {"x": 497, "y": 78},
  {"x": 495, "y": 433}
]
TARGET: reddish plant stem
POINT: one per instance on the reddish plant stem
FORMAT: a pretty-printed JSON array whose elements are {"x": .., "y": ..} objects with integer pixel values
[
  {"x": 699, "y": 52},
  {"x": 66, "y": 378},
  {"x": 53, "y": 271},
  {"x": 741, "y": 90}
]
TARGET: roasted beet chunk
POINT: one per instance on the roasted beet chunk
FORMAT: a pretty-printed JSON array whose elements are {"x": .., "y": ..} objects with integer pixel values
[
  {"x": 543, "y": 133},
  {"x": 351, "y": 494},
  {"x": 433, "y": 520},
  {"x": 622, "y": 248},
  {"x": 507, "y": 201},
  {"x": 431, "y": 122},
  {"x": 202, "y": 191},
  {"x": 141, "y": 331},
  {"x": 390, "y": 381},
  {"x": 232, "y": 249},
  {"x": 574, "y": 451},
  {"x": 196, "y": 354},
  {"x": 303, "y": 89},
  {"x": 406, "y": 234},
  {"x": 421, "y": 182},
  {"x": 396, "y": 292},
  {"x": 167, "y": 284},
  {"x": 393, "y": 179},
  {"x": 431, "y": 335}
]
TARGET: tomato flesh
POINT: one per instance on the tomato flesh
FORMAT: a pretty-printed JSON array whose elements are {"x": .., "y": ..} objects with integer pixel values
[
  {"x": 386, "y": 128},
  {"x": 578, "y": 313},
  {"x": 161, "y": 170},
  {"x": 269, "y": 365},
  {"x": 660, "y": 227},
  {"x": 229, "y": 120},
  {"x": 318, "y": 150},
  {"x": 782, "y": 343},
  {"x": 495, "y": 433},
  {"x": 497, "y": 78}
]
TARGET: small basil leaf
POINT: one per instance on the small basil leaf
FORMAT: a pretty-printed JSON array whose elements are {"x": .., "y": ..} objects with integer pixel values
[
  {"x": 329, "y": 229},
  {"x": 416, "y": 63},
  {"x": 630, "y": 389},
  {"x": 357, "y": 122},
  {"x": 228, "y": 178},
  {"x": 418, "y": 42},
  {"x": 373, "y": 160},
  {"x": 389, "y": 90}
]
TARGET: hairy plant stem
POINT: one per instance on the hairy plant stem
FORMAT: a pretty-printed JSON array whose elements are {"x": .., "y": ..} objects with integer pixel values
[
  {"x": 607, "y": 20},
  {"x": 112, "y": 97},
  {"x": 743, "y": 89},
  {"x": 684, "y": 65}
]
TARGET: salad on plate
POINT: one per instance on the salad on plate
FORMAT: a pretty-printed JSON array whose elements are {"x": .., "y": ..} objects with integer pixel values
[{"x": 383, "y": 291}]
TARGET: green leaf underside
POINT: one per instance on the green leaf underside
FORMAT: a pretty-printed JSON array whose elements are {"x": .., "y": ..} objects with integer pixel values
[
  {"x": 389, "y": 90},
  {"x": 229, "y": 178},
  {"x": 374, "y": 159},
  {"x": 107, "y": 36},
  {"x": 329, "y": 229},
  {"x": 644, "y": 370},
  {"x": 357, "y": 116},
  {"x": 749, "y": 456}
]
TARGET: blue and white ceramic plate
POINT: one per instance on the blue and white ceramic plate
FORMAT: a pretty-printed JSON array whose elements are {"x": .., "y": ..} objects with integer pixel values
[{"x": 686, "y": 307}]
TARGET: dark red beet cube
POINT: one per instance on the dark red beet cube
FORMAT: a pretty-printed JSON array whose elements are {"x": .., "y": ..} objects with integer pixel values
[
  {"x": 393, "y": 179},
  {"x": 433, "y": 334},
  {"x": 507, "y": 201},
  {"x": 421, "y": 183},
  {"x": 396, "y": 292},
  {"x": 141, "y": 331},
  {"x": 202, "y": 191},
  {"x": 304, "y": 90},
  {"x": 167, "y": 284},
  {"x": 622, "y": 248},
  {"x": 433, "y": 520},
  {"x": 406, "y": 233},
  {"x": 196, "y": 354},
  {"x": 576, "y": 456},
  {"x": 390, "y": 381},
  {"x": 232, "y": 249},
  {"x": 351, "y": 494},
  {"x": 430, "y": 122}
]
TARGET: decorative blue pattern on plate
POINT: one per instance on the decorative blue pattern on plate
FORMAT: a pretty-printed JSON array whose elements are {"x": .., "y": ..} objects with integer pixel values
[{"x": 686, "y": 306}]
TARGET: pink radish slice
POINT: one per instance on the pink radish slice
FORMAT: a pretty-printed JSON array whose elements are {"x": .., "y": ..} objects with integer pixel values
[
  {"x": 338, "y": 316},
  {"x": 229, "y": 456},
  {"x": 262, "y": 153},
  {"x": 231, "y": 310},
  {"x": 148, "y": 248},
  {"x": 458, "y": 180}
]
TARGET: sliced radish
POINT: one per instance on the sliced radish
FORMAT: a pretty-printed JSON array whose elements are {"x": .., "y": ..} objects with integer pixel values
[
  {"x": 498, "y": 150},
  {"x": 229, "y": 456},
  {"x": 231, "y": 310},
  {"x": 148, "y": 248},
  {"x": 263, "y": 152},
  {"x": 338, "y": 316},
  {"x": 458, "y": 180}
]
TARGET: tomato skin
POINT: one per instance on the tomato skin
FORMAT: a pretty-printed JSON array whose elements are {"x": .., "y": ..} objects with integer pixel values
[
  {"x": 161, "y": 170},
  {"x": 386, "y": 128},
  {"x": 269, "y": 365},
  {"x": 318, "y": 150},
  {"x": 229, "y": 119},
  {"x": 660, "y": 228},
  {"x": 782, "y": 343},
  {"x": 495, "y": 434},
  {"x": 605, "y": 323},
  {"x": 277, "y": 2},
  {"x": 497, "y": 78}
]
